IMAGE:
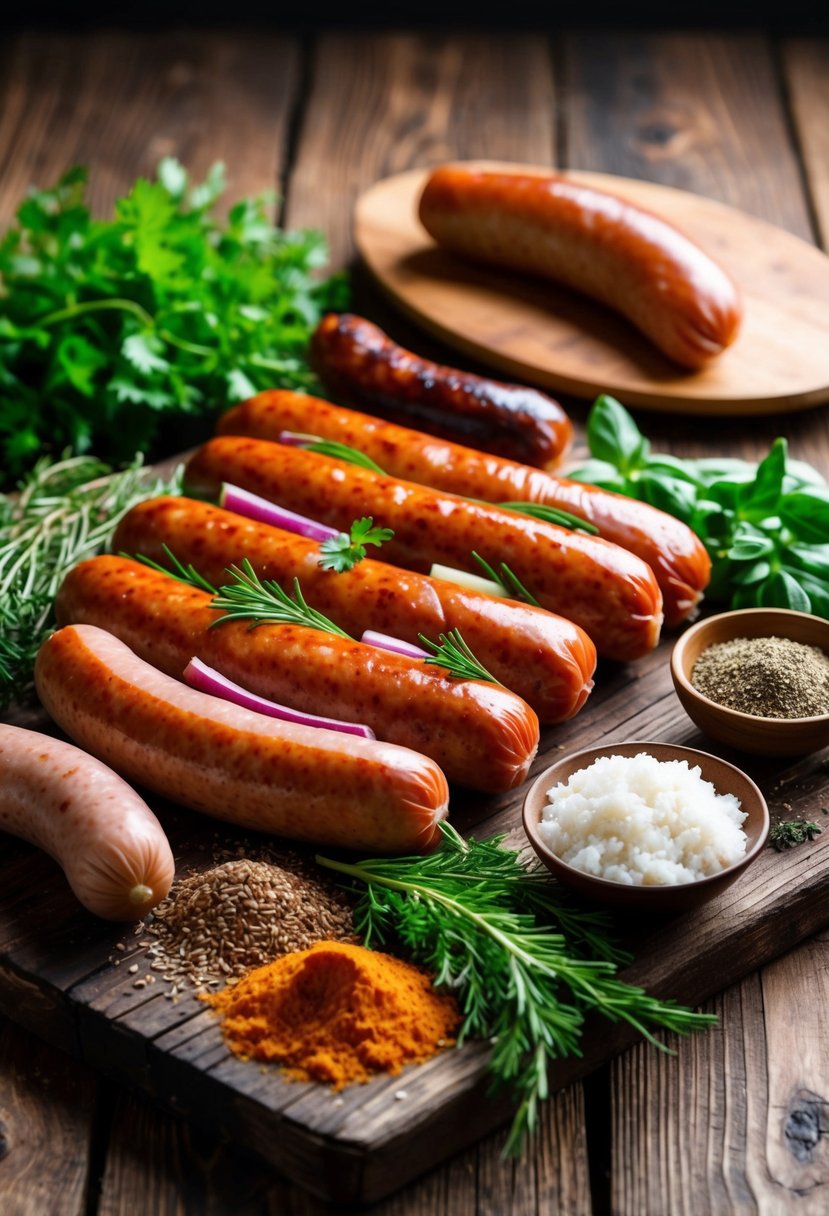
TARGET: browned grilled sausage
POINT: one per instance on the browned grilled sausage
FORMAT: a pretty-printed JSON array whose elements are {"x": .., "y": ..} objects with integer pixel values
[
  {"x": 362, "y": 366},
  {"x": 594, "y": 242}
]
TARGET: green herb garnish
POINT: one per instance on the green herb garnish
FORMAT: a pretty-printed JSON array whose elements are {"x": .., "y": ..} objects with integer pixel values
[
  {"x": 480, "y": 920},
  {"x": 112, "y": 328},
  {"x": 263, "y": 602},
  {"x": 176, "y": 569},
  {"x": 765, "y": 526},
  {"x": 453, "y": 653},
  {"x": 343, "y": 552},
  {"x": 509, "y": 581},
  {"x": 66, "y": 511},
  {"x": 791, "y": 832},
  {"x": 342, "y": 451},
  {"x": 550, "y": 515}
]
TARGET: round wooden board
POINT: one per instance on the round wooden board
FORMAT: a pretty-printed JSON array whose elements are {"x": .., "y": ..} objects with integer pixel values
[{"x": 536, "y": 332}]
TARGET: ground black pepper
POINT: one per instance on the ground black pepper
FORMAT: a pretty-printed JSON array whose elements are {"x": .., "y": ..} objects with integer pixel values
[{"x": 769, "y": 677}]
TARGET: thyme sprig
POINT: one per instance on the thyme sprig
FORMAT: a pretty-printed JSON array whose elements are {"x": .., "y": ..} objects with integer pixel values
[
  {"x": 66, "y": 511},
  {"x": 479, "y": 919},
  {"x": 550, "y": 515},
  {"x": 177, "y": 570}
]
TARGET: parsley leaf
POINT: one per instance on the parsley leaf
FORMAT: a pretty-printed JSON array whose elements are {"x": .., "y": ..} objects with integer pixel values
[
  {"x": 115, "y": 333},
  {"x": 343, "y": 552}
]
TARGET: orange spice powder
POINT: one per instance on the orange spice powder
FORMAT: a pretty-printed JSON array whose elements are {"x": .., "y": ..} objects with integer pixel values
[{"x": 336, "y": 1013}]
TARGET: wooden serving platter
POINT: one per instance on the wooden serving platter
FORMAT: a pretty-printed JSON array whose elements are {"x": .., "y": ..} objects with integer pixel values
[
  {"x": 534, "y": 331},
  {"x": 59, "y": 978}
]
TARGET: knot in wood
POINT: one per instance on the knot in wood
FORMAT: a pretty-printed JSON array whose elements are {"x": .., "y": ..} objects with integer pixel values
[{"x": 805, "y": 1124}]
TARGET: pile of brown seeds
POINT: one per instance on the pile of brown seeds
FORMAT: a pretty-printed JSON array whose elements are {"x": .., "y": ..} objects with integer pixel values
[{"x": 219, "y": 923}]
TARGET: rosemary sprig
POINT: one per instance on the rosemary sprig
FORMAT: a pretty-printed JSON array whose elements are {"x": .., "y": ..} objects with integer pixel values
[
  {"x": 263, "y": 602},
  {"x": 551, "y": 515},
  {"x": 452, "y": 652},
  {"x": 474, "y": 915},
  {"x": 66, "y": 511},
  {"x": 509, "y": 581}
]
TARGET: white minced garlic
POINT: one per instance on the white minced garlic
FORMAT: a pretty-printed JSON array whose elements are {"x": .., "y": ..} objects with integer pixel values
[{"x": 643, "y": 822}]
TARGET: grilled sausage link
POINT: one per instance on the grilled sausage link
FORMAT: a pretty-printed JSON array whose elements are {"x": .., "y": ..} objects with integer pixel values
[
  {"x": 210, "y": 755},
  {"x": 480, "y": 735},
  {"x": 675, "y": 554},
  {"x": 359, "y": 363},
  {"x": 591, "y": 241},
  {"x": 609, "y": 592},
  {"x": 546, "y": 660}
]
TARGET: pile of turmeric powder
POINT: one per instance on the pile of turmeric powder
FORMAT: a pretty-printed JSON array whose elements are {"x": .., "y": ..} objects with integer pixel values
[{"x": 336, "y": 1013}]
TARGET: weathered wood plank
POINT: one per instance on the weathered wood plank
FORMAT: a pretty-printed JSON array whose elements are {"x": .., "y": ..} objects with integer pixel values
[
  {"x": 121, "y": 100},
  {"x": 46, "y": 1111},
  {"x": 440, "y": 96},
  {"x": 806, "y": 67}
]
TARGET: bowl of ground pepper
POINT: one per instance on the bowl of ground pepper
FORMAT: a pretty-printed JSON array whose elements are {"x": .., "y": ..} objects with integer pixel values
[{"x": 757, "y": 679}]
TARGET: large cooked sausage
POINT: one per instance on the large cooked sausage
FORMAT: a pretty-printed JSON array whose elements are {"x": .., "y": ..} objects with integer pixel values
[
  {"x": 106, "y": 839},
  {"x": 360, "y": 364},
  {"x": 676, "y": 555},
  {"x": 546, "y": 660},
  {"x": 610, "y": 593},
  {"x": 591, "y": 241},
  {"x": 481, "y": 735},
  {"x": 208, "y": 754}
]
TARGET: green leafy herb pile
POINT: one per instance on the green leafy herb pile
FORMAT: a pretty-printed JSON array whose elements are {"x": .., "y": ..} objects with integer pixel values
[
  {"x": 766, "y": 526},
  {"x": 476, "y": 917},
  {"x": 113, "y": 329},
  {"x": 64, "y": 513}
]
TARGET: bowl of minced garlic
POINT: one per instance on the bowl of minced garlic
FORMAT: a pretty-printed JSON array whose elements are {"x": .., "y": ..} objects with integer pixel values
[{"x": 757, "y": 679}]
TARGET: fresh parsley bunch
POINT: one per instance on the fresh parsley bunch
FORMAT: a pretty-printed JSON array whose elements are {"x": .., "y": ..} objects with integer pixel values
[
  {"x": 765, "y": 526},
  {"x": 112, "y": 330}
]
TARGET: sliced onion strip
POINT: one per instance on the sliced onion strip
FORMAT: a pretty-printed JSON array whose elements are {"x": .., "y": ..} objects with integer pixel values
[
  {"x": 297, "y": 439},
  {"x": 395, "y": 645},
  {"x": 243, "y": 502},
  {"x": 472, "y": 582},
  {"x": 206, "y": 679}
]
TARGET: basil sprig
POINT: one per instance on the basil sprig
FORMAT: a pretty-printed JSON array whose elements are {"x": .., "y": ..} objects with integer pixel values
[{"x": 765, "y": 526}]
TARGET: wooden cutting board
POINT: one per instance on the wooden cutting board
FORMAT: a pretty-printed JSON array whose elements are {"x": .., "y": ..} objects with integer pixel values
[
  {"x": 533, "y": 331},
  {"x": 63, "y": 976}
]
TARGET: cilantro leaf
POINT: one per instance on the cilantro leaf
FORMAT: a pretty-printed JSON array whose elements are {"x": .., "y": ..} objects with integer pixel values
[{"x": 343, "y": 552}]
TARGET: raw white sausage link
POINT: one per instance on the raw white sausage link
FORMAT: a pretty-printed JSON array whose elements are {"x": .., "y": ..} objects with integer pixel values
[{"x": 110, "y": 845}]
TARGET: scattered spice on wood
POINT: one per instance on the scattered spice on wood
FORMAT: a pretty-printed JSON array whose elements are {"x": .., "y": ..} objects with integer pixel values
[
  {"x": 769, "y": 677},
  {"x": 219, "y": 923},
  {"x": 791, "y": 832},
  {"x": 336, "y": 1013}
]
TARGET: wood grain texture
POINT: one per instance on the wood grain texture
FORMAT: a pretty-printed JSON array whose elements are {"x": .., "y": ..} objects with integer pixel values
[
  {"x": 118, "y": 102},
  {"x": 532, "y": 330},
  {"x": 806, "y": 68},
  {"x": 46, "y": 1111},
  {"x": 381, "y": 104},
  {"x": 695, "y": 110}
]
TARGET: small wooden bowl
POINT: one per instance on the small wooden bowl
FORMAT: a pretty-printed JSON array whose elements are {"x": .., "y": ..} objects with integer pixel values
[
  {"x": 749, "y": 732},
  {"x": 681, "y": 897}
]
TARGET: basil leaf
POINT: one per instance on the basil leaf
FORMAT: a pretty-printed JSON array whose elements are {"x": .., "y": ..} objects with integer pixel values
[
  {"x": 669, "y": 494},
  {"x": 760, "y": 499},
  {"x": 716, "y": 468},
  {"x": 799, "y": 473},
  {"x": 812, "y": 558},
  {"x": 672, "y": 466},
  {"x": 749, "y": 548},
  {"x": 784, "y": 591},
  {"x": 599, "y": 473},
  {"x": 612, "y": 435},
  {"x": 726, "y": 493},
  {"x": 817, "y": 591},
  {"x": 806, "y": 514},
  {"x": 747, "y": 576}
]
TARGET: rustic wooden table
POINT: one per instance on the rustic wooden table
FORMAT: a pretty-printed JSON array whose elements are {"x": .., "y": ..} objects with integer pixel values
[{"x": 737, "y": 1120}]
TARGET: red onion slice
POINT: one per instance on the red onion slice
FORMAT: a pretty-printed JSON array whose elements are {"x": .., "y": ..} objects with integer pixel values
[
  {"x": 296, "y": 439},
  {"x": 396, "y": 645},
  {"x": 198, "y": 675},
  {"x": 234, "y": 498}
]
